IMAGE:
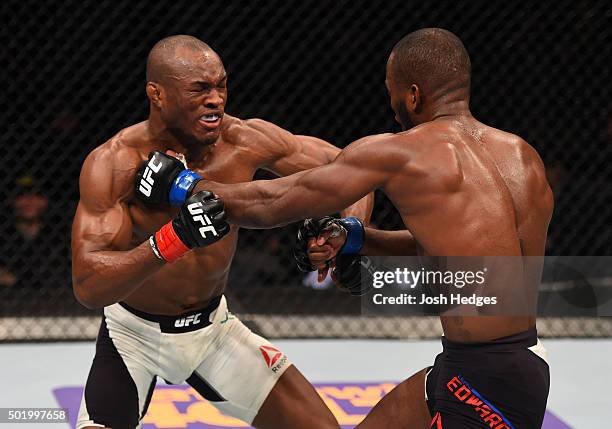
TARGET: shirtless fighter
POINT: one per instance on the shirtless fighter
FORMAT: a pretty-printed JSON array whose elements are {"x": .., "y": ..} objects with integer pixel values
[
  {"x": 162, "y": 291},
  {"x": 462, "y": 188}
]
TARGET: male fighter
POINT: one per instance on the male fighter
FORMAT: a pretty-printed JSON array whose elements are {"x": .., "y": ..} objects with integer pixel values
[
  {"x": 165, "y": 314},
  {"x": 462, "y": 188}
]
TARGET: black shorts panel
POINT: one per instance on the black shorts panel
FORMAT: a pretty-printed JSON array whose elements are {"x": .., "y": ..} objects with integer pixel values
[
  {"x": 111, "y": 396},
  {"x": 500, "y": 384}
]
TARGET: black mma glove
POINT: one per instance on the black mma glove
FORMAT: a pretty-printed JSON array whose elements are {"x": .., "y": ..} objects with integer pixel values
[
  {"x": 200, "y": 223},
  {"x": 354, "y": 274},
  {"x": 312, "y": 228},
  {"x": 163, "y": 179}
]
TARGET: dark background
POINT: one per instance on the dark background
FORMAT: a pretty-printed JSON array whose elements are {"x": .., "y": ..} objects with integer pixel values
[{"x": 74, "y": 75}]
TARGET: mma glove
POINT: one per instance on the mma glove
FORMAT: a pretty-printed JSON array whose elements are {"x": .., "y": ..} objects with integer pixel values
[
  {"x": 348, "y": 266},
  {"x": 200, "y": 223},
  {"x": 312, "y": 228},
  {"x": 163, "y": 179},
  {"x": 354, "y": 274}
]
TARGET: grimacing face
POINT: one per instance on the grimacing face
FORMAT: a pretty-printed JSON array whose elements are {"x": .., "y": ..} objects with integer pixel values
[{"x": 195, "y": 98}]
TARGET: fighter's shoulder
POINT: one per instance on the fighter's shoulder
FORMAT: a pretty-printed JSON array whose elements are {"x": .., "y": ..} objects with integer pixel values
[
  {"x": 396, "y": 144},
  {"x": 520, "y": 149},
  {"x": 258, "y": 137},
  {"x": 121, "y": 150},
  {"x": 436, "y": 136},
  {"x": 384, "y": 149},
  {"x": 111, "y": 167},
  {"x": 374, "y": 142},
  {"x": 244, "y": 131}
]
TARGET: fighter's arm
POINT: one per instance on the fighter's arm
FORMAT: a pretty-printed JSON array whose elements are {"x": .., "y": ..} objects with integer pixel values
[
  {"x": 289, "y": 154},
  {"x": 359, "y": 169},
  {"x": 105, "y": 269},
  {"x": 388, "y": 243}
]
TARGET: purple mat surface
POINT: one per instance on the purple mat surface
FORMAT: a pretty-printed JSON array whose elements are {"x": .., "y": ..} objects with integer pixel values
[{"x": 174, "y": 407}]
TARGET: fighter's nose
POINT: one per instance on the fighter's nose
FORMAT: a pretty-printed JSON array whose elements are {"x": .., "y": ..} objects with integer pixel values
[{"x": 214, "y": 99}]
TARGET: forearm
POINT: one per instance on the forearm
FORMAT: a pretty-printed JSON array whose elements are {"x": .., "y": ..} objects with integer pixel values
[
  {"x": 308, "y": 194},
  {"x": 388, "y": 243},
  {"x": 102, "y": 278},
  {"x": 263, "y": 203}
]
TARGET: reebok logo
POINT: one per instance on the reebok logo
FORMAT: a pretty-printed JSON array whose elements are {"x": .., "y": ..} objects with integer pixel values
[
  {"x": 197, "y": 214},
  {"x": 194, "y": 319},
  {"x": 275, "y": 359},
  {"x": 146, "y": 182}
]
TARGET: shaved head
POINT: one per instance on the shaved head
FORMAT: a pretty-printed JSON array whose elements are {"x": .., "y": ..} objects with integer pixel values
[
  {"x": 187, "y": 89},
  {"x": 433, "y": 58},
  {"x": 176, "y": 55}
]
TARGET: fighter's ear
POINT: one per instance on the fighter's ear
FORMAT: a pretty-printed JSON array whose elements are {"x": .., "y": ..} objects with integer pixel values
[{"x": 155, "y": 93}]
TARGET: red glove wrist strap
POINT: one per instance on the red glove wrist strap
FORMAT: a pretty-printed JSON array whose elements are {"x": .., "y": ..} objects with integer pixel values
[{"x": 169, "y": 245}]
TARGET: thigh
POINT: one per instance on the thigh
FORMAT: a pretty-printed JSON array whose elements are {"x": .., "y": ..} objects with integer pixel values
[
  {"x": 118, "y": 390},
  {"x": 249, "y": 378},
  {"x": 293, "y": 403},
  {"x": 404, "y": 407}
]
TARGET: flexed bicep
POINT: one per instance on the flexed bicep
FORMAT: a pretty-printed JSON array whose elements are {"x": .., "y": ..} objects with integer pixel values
[
  {"x": 102, "y": 220},
  {"x": 106, "y": 267}
]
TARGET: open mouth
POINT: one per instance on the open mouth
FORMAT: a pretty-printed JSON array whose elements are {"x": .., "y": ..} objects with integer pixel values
[{"x": 211, "y": 120}]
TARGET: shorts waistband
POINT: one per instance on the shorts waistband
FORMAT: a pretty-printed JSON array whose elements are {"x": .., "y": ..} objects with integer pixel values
[
  {"x": 521, "y": 340},
  {"x": 185, "y": 322}
]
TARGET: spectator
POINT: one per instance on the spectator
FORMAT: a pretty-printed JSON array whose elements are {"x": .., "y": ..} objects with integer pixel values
[{"x": 33, "y": 251}]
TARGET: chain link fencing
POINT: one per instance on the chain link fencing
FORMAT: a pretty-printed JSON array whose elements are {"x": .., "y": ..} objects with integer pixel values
[{"x": 74, "y": 75}]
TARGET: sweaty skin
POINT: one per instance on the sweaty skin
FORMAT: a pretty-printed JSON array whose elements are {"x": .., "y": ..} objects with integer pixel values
[
  {"x": 111, "y": 256},
  {"x": 461, "y": 187},
  {"x": 112, "y": 260}
]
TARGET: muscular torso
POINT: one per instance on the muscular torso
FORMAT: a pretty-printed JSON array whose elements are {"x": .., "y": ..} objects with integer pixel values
[
  {"x": 471, "y": 190},
  {"x": 201, "y": 274}
]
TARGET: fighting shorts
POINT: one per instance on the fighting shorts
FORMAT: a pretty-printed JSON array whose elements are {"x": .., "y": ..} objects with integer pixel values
[
  {"x": 208, "y": 348},
  {"x": 501, "y": 384}
]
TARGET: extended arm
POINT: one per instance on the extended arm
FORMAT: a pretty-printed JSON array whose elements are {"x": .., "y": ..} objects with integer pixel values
[
  {"x": 360, "y": 169},
  {"x": 295, "y": 153}
]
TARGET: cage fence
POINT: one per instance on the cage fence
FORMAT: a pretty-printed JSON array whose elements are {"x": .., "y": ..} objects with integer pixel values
[{"x": 74, "y": 76}]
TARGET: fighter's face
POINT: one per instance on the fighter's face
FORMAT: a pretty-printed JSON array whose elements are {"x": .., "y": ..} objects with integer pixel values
[{"x": 196, "y": 97}]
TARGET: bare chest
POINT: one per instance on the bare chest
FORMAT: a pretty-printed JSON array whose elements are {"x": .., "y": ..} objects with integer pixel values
[{"x": 225, "y": 165}]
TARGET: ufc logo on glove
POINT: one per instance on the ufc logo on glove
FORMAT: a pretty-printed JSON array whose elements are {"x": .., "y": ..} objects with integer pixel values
[
  {"x": 146, "y": 182},
  {"x": 196, "y": 211}
]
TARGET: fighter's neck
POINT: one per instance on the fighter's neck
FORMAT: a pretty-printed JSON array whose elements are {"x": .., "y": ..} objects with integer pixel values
[
  {"x": 449, "y": 109},
  {"x": 163, "y": 139}
]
